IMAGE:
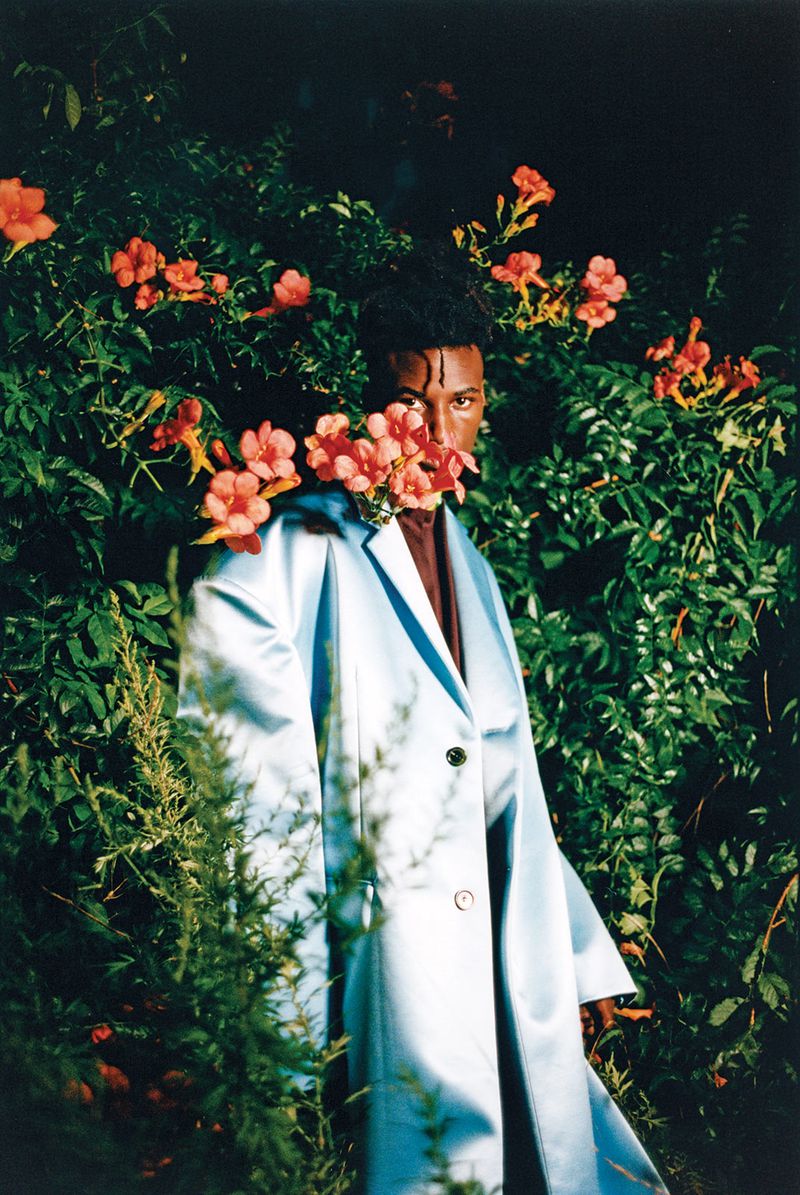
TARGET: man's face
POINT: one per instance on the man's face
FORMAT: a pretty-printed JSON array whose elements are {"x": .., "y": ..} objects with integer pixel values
[{"x": 446, "y": 387}]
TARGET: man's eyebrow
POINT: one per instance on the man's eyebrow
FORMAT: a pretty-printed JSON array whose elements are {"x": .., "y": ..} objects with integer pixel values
[
  {"x": 421, "y": 394},
  {"x": 409, "y": 390}
]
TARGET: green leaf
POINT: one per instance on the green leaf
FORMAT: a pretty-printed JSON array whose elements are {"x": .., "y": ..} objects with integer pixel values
[
  {"x": 773, "y": 988},
  {"x": 726, "y": 1008},
  {"x": 750, "y": 964},
  {"x": 72, "y": 106},
  {"x": 552, "y": 560},
  {"x": 46, "y": 106}
]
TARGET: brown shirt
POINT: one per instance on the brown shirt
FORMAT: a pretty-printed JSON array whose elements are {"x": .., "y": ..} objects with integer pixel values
[{"x": 425, "y": 533}]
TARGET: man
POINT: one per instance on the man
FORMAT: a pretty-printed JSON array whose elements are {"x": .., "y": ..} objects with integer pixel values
[{"x": 375, "y": 683}]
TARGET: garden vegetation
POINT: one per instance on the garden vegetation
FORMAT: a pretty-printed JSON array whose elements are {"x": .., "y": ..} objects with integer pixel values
[{"x": 161, "y": 299}]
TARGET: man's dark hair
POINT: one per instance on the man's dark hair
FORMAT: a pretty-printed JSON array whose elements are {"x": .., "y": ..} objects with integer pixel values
[{"x": 430, "y": 298}]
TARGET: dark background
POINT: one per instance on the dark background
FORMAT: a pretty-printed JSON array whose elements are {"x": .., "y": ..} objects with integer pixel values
[{"x": 653, "y": 121}]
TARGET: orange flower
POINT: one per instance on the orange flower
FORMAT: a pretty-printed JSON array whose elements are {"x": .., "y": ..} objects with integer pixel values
[
  {"x": 719, "y": 1080},
  {"x": 79, "y": 1092},
  {"x": 692, "y": 358},
  {"x": 636, "y": 1014},
  {"x": 744, "y": 376},
  {"x": 101, "y": 1033},
  {"x": 182, "y": 277},
  {"x": 664, "y": 348},
  {"x": 360, "y": 468},
  {"x": 116, "y": 1079},
  {"x": 181, "y": 430},
  {"x": 188, "y": 415},
  {"x": 329, "y": 442},
  {"x": 667, "y": 382},
  {"x": 596, "y": 312},
  {"x": 291, "y": 290},
  {"x": 198, "y": 296},
  {"x": 137, "y": 262},
  {"x": 175, "y": 1078},
  {"x": 332, "y": 425},
  {"x": 268, "y": 452},
  {"x": 21, "y": 217},
  {"x": 393, "y": 429},
  {"x": 219, "y": 283},
  {"x": 519, "y": 270},
  {"x": 151, "y": 1167},
  {"x": 221, "y": 453},
  {"x": 448, "y": 464},
  {"x": 233, "y": 503},
  {"x": 156, "y": 1097},
  {"x": 531, "y": 187},
  {"x": 602, "y": 281},
  {"x": 155, "y": 1003},
  {"x": 146, "y": 297},
  {"x": 411, "y": 487}
]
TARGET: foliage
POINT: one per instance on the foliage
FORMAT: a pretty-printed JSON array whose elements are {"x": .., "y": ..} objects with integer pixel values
[
  {"x": 647, "y": 561},
  {"x": 642, "y": 545}
]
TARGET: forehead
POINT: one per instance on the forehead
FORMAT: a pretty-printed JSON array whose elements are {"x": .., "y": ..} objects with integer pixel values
[{"x": 445, "y": 368}]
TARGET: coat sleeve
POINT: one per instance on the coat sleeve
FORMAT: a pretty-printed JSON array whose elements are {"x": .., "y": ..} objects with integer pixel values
[
  {"x": 599, "y": 969},
  {"x": 242, "y": 675}
]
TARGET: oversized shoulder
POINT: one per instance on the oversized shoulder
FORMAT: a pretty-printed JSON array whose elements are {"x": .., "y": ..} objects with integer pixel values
[{"x": 295, "y": 545}]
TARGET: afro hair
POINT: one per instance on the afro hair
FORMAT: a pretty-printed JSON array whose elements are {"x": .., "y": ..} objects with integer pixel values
[{"x": 430, "y": 298}]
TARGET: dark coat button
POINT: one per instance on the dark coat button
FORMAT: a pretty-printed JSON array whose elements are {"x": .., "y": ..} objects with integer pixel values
[{"x": 456, "y": 756}]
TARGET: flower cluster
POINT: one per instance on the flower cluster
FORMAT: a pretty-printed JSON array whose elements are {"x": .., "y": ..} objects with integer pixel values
[
  {"x": 21, "y": 217},
  {"x": 683, "y": 377},
  {"x": 557, "y": 300},
  {"x": 167, "y": 1094},
  {"x": 604, "y": 287},
  {"x": 237, "y": 499},
  {"x": 140, "y": 262},
  {"x": 291, "y": 290},
  {"x": 400, "y": 467}
]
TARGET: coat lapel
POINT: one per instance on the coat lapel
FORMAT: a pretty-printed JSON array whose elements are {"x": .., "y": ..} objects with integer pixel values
[
  {"x": 490, "y": 671},
  {"x": 491, "y": 692},
  {"x": 387, "y": 548}
]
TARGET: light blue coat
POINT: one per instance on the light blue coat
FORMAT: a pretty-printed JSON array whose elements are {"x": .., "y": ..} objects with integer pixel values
[{"x": 341, "y": 680}]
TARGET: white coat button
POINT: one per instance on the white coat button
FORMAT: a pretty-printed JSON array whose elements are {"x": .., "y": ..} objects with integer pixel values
[
  {"x": 456, "y": 756},
  {"x": 464, "y": 899}
]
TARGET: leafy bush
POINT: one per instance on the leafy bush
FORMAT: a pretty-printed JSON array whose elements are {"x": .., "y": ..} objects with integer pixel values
[{"x": 642, "y": 543}]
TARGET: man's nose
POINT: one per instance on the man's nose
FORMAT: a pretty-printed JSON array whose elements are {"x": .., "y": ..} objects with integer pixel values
[{"x": 439, "y": 426}]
